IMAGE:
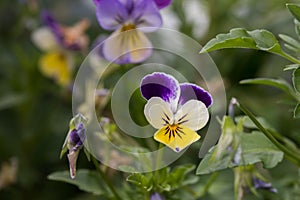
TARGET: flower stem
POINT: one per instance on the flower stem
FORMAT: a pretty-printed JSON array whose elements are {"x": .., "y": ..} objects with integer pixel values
[
  {"x": 290, "y": 155},
  {"x": 289, "y": 57},
  {"x": 158, "y": 157},
  {"x": 104, "y": 178},
  {"x": 210, "y": 181}
]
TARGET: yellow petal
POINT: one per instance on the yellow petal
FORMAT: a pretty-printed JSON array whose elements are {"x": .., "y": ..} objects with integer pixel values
[
  {"x": 55, "y": 65},
  {"x": 177, "y": 140},
  {"x": 131, "y": 46}
]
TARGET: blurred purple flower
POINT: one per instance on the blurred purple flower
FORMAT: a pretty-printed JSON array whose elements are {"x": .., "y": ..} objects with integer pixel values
[
  {"x": 260, "y": 184},
  {"x": 162, "y": 3},
  {"x": 58, "y": 43},
  {"x": 156, "y": 196},
  {"x": 128, "y": 44},
  {"x": 71, "y": 38}
]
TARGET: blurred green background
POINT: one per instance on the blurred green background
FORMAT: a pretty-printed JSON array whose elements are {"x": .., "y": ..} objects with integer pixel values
[{"x": 35, "y": 111}]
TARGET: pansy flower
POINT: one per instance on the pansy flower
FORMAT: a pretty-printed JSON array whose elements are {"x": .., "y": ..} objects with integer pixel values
[
  {"x": 176, "y": 110},
  {"x": 59, "y": 43},
  {"x": 128, "y": 43}
]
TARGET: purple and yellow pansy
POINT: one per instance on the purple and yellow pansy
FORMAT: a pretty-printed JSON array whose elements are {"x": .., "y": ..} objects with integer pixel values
[
  {"x": 176, "y": 110},
  {"x": 129, "y": 19},
  {"x": 59, "y": 43}
]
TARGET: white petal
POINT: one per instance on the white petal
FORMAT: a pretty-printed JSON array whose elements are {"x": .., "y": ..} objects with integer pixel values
[
  {"x": 44, "y": 39},
  {"x": 130, "y": 46},
  {"x": 193, "y": 114},
  {"x": 156, "y": 110}
]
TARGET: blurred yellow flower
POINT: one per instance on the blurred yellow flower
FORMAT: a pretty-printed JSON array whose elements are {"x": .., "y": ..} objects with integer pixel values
[
  {"x": 56, "y": 66},
  {"x": 59, "y": 44}
]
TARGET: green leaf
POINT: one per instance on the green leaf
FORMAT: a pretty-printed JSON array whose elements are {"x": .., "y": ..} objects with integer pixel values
[
  {"x": 291, "y": 41},
  {"x": 296, "y": 79},
  {"x": 179, "y": 176},
  {"x": 140, "y": 180},
  {"x": 295, "y": 10},
  {"x": 297, "y": 111},
  {"x": 297, "y": 27},
  {"x": 278, "y": 83},
  {"x": 241, "y": 38},
  {"x": 247, "y": 123},
  {"x": 291, "y": 67},
  {"x": 256, "y": 147},
  {"x": 86, "y": 180}
]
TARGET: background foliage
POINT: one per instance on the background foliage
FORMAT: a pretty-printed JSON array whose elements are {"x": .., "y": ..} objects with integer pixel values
[{"x": 35, "y": 111}]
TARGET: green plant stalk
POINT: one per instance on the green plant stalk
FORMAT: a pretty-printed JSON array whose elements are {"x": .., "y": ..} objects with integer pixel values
[
  {"x": 289, "y": 57},
  {"x": 107, "y": 182},
  {"x": 290, "y": 155},
  {"x": 209, "y": 183}
]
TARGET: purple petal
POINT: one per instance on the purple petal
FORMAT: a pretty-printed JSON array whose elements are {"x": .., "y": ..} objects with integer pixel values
[
  {"x": 156, "y": 196},
  {"x": 260, "y": 184},
  {"x": 77, "y": 136},
  {"x": 111, "y": 14},
  {"x": 50, "y": 22},
  {"x": 146, "y": 14},
  {"x": 162, "y": 3},
  {"x": 160, "y": 85},
  {"x": 191, "y": 91}
]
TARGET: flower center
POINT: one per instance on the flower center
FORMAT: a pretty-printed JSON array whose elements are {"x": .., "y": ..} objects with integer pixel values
[
  {"x": 173, "y": 131},
  {"x": 128, "y": 27}
]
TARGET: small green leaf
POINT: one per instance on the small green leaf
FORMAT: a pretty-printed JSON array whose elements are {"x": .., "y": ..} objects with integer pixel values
[
  {"x": 236, "y": 38},
  {"x": 295, "y": 10},
  {"x": 291, "y": 41},
  {"x": 141, "y": 180},
  {"x": 278, "y": 83},
  {"x": 179, "y": 176},
  {"x": 297, "y": 27},
  {"x": 291, "y": 48},
  {"x": 291, "y": 67},
  {"x": 241, "y": 38},
  {"x": 164, "y": 187},
  {"x": 297, "y": 111},
  {"x": 296, "y": 79},
  {"x": 86, "y": 180},
  {"x": 256, "y": 147},
  {"x": 250, "y": 125}
]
